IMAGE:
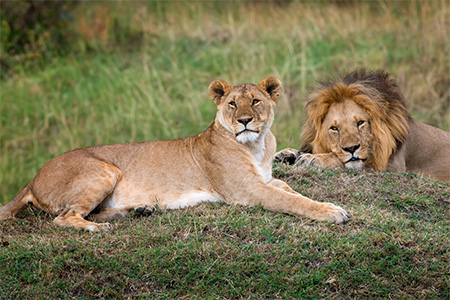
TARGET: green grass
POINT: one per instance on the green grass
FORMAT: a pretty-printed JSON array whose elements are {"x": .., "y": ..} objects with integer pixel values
[
  {"x": 156, "y": 87},
  {"x": 147, "y": 79},
  {"x": 395, "y": 246}
]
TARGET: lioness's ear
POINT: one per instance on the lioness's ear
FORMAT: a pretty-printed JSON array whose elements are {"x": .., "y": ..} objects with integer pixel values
[
  {"x": 217, "y": 89},
  {"x": 272, "y": 86}
]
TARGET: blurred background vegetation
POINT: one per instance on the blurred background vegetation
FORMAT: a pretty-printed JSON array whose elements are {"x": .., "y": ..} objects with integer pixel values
[{"x": 80, "y": 73}]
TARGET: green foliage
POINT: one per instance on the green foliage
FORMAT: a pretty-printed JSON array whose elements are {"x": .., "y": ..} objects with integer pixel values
[{"x": 34, "y": 30}]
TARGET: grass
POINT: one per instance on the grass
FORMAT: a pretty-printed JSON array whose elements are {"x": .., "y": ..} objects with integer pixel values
[
  {"x": 395, "y": 246},
  {"x": 156, "y": 86},
  {"x": 144, "y": 74}
]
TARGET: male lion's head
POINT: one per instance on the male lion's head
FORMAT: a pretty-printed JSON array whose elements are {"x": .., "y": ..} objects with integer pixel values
[
  {"x": 246, "y": 110},
  {"x": 362, "y": 118}
]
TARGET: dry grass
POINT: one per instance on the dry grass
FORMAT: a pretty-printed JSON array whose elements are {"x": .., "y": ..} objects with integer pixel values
[{"x": 410, "y": 39}]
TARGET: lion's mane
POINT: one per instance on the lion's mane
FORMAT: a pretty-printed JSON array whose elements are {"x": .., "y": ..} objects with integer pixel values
[{"x": 379, "y": 95}]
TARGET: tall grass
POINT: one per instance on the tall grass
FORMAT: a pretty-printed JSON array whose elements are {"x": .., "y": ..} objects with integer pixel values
[{"x": 140, "y": 70}]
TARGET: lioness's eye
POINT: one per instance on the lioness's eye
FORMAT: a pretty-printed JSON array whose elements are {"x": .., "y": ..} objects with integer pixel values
[
  {"x": 360, "y": 123},
  {"x": 334, "y": 128},
  {"x": 255, "y": 101},
  {"x": 232, "y": 104}
]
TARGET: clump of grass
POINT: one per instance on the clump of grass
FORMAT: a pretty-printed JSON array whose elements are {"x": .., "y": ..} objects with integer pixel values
[{"x": 395, "y": 246}]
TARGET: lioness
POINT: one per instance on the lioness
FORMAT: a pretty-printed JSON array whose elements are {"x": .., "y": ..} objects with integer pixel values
[
  {"x": 229, "y": 161},
  {"x": 361, "y": 121}
]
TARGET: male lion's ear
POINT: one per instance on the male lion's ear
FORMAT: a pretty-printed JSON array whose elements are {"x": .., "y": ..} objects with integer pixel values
[
  {"x": 217, "y": 89},
  {"x": 272, "y": 86}
]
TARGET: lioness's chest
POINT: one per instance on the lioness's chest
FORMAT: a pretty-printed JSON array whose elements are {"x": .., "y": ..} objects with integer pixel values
[{"x": 265, "y": 169}]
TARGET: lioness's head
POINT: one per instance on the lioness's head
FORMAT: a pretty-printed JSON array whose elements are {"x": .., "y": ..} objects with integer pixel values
[
  {"x": 246, "y": 110},
  {"x": 362, "y": 118}
]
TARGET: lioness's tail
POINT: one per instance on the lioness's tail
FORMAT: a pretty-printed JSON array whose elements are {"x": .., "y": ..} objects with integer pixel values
[{"x": 16, "y": 204}]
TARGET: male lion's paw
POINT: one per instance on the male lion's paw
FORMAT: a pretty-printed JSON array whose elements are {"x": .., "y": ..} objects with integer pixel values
[
  {"x": 307, "y": 159},
  {"x": 322, "y": 160},
  {"x": 333, "y": 213},
  {"x": 287, "y": 156}
]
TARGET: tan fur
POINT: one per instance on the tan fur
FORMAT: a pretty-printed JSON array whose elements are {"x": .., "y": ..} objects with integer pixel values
[
  {"x": 230, "y": 161},
  {"x": 365, "y": 113}
]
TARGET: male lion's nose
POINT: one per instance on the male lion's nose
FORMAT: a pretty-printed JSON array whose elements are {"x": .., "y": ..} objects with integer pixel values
[
  {"x": 351, "y": 149},
  {"x": 245, "y": 121}
]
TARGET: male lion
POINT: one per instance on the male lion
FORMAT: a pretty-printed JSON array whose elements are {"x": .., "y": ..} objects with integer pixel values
[
  {"x": 229, "y": 161},
  {"x": 361, "y": 121}
]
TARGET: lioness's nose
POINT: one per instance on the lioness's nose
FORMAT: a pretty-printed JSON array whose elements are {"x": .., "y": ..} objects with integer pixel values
[
  {"x": 245, "y": 121},
  {"x": 351, "y": 149}
]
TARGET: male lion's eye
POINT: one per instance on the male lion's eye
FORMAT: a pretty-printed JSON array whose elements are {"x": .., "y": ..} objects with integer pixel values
[
  {"x": 232, "y": 104},
  {"x": 255, "y": 101},
  {"x": 334, "y": 128},
  {"x": 360, "y": 123}
]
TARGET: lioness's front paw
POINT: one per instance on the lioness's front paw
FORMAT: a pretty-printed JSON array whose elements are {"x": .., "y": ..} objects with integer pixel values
[
  {"x": 287, "y": 156},
  {"x": 332, "y": 213},
  {"x": 145, "y": 211}
]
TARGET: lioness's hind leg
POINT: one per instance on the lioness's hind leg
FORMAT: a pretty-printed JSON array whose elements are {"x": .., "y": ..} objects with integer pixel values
[
  {"x": 82, "y": 203},
  {"x": 73, "y": 219},
  {"x": 87, "y": 191}
]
